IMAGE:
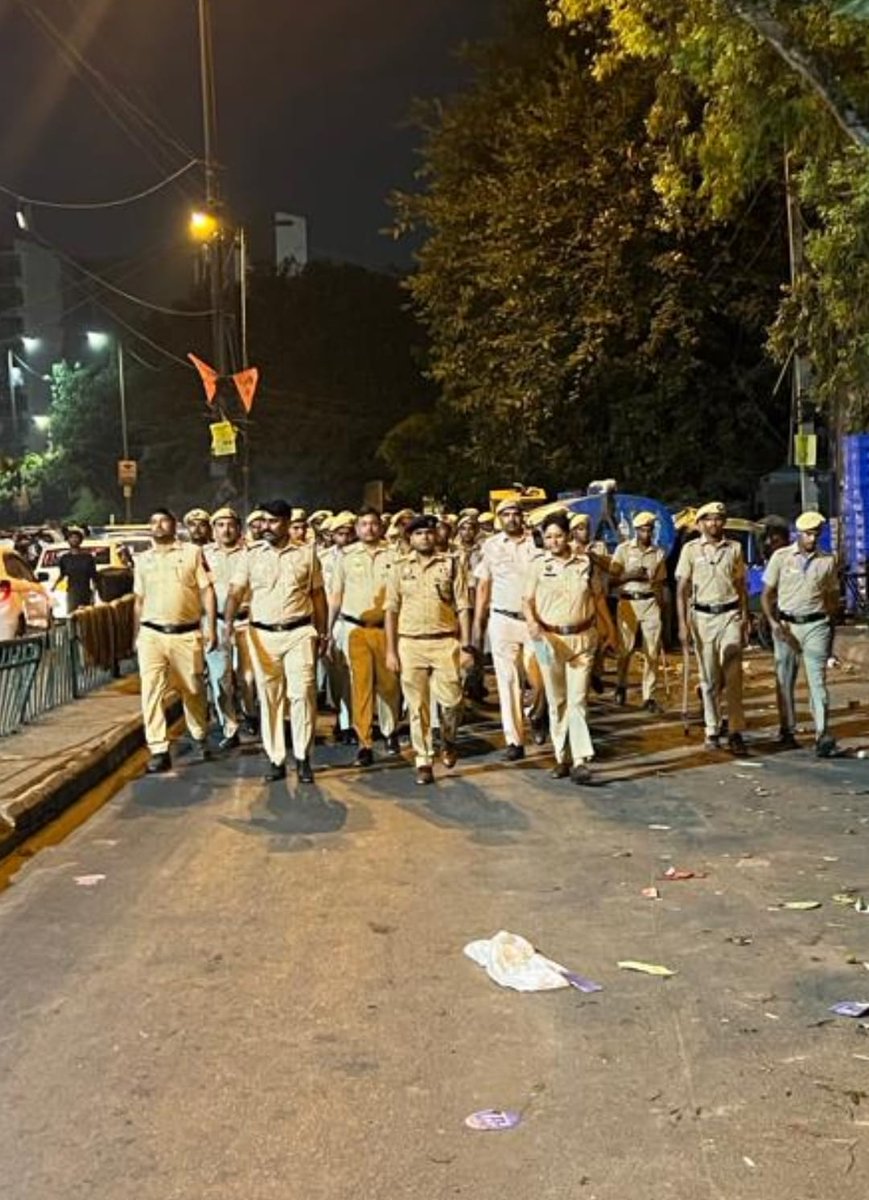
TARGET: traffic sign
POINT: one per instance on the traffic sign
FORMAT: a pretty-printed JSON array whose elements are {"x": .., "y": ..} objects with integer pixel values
[{"x": 128, "y": 472}]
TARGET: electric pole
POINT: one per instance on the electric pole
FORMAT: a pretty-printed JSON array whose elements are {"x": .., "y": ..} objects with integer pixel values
[{"x": 214, "y": 249}]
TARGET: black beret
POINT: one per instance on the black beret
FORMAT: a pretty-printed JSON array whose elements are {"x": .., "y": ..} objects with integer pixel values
[
  {"x": 423, "y": 521},
  {"x": 277, "y": 508}
]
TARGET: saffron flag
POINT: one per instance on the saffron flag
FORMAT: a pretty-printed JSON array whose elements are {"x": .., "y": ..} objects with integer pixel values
[
  {"x": 208, "y": 375},
  {"x": 246, "y": 382}
]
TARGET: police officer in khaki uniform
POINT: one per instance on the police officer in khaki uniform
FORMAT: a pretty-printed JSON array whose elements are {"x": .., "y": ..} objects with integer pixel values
[
  {"x": 173, "y": 591},
  {"x": 342, "y": 530},
  {"x": 287, "y": 623},
  {"x": 559, "y": 605},
  {"x": 712, "y": 602},
  {"x": 357, "y": 623},
  {"x": 197, "y": 522},
  {"x": 230, "y": 671},
  {"x": 800, "y": 599},
  {"x": 255, "y": 525},
  {"x": 428, "y": 626},
  {"x": 640, "y": 569},
  {"x": 581, "y": 533}
]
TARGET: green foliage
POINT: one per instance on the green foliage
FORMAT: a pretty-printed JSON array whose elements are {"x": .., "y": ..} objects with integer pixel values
[{"x": 577, "y": 330}]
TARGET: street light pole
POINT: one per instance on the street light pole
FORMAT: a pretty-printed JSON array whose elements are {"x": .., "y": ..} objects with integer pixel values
[
  {"x": 214, "y": 249},
  {"x": 13, "y": 403}
]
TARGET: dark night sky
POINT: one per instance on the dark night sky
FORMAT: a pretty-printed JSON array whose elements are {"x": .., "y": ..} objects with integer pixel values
[{"x": 311, "y": 99}]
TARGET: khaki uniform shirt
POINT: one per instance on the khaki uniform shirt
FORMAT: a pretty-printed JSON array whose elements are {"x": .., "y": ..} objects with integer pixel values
[
  {"x": 505, "y": 561},
  {"x": 360, "y": 580},
  {"x": 170, "y": 582},
  {"x": 281, "y": 582},
  {"x": 427, "y": 593},
  {"x": 804, "y": 582},
  {"x": 716, "y": 570},
  {"x": 629, "y": 557},
  {"x": 561, "y": 589},
  {"x": 329, "y": 557},
  {"x": 222, "y": 563}
]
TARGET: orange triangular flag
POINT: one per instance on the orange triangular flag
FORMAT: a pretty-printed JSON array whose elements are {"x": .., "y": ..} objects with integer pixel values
[
  {"x": 246, "y": 382},
  {"x": 208, "y": 375}
]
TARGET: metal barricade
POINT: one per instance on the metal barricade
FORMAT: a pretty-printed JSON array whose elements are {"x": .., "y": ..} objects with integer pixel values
[{"x": 44, "y": 671}]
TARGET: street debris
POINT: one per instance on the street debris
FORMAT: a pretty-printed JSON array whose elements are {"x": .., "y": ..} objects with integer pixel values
[
  {"x": 650, "y": 893},
  {"x": 493, "y": 1119},
  {"x": 89, "y": 880},
  {"x": 511, "y": 961},
  {"x": 747, "y": 762},
  {"x": 850, "y": 1008},
  {"x": 678, "y": 873},
  {"x": 860, "y": 905},
  {"x": 847, "y": 899},
  {"x": 661, "y": 828},
  {"x": 749, "y": 1162},
  {"x": 630, "y": 964},
  {"x": 795, "y": 905},
  {"x": 581, "y": 983},
  {"x": 740, "y": 939}
]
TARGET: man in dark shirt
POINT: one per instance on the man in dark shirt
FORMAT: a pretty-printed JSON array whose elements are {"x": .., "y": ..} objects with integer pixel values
[{"x": 79, "y": 569}]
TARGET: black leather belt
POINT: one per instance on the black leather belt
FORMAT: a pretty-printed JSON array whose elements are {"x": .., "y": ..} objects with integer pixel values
[
  {"x": 362, "y": 624},
  {"x": 715, "y": 609},
  {"x": 239, "y": 616},
  {"x": 282, "y": 626},
  {"x": 189, "y": 628},
  {"x": 802, "y": 618},
  {"x": 428, "y": 636},
  {"x": 568, "y": 630},
  {"x": 638, "y": 596},
  {"x": 505, "y": 612}
]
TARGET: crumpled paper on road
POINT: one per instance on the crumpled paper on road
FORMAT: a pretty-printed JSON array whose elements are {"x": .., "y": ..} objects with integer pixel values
[{"x": 511, "y": 961}]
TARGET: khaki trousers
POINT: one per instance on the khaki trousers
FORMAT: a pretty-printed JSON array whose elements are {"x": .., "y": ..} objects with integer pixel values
[
  {"x": 369, "y": 678},
  {"x": 513, "y": 663},
  {"x": 718, "y": 646},
  {"x": 646, "y": 616},
  {"x": 338, "y": 676},
  {"x": 285, "y": 666},
  {"x": 167, "y": 659},
  {"x": 430, "y": 670},
  {"x": 566, "y": 672},
  {"x": 813, "y": 643}
]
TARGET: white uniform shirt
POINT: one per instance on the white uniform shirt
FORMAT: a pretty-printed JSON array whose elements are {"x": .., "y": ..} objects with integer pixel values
[{"x": 505, "y": 561}]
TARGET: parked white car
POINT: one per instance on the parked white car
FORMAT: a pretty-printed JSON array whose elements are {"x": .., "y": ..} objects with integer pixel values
[
  {"x": 25, "y": 604},
  {"x": 109, "y": 555}
]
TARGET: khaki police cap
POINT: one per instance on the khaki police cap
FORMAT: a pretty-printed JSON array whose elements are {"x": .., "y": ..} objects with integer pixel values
[
  {"x": 579, "y": 519},
  {"x": 226, "y": 511},
  {"x": 318, "y": 517},
  {"x": 643, "y": 518},
  {"x": 403, "y": 514},
  {"x": 808, "y": 521},
  {"x": 466, "y": 515},
  {"x": 298, "y": 514},
  {"x": 74, "y": 529},
  {"x": 487, "y": 519},
  {"x": 505, "y": 506},
  {"x": 713, "y": 509},
  {"x": 257, "y": 515},
  {"x": 196, "y": 514},
  {"x": 341, "y": 520}
]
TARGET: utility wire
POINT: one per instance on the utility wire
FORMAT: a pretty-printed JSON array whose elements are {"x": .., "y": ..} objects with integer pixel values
[{"x": 91, "y": 206}]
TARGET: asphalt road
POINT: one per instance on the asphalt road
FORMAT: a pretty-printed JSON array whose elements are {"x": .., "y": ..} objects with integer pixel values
[{"x": 266, "y": 995}]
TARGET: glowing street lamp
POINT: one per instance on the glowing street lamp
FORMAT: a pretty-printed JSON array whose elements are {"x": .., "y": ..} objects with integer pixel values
[
  {"x": 31, "y": 344},
  {"x": 203, "y": 226},
  {"x": 97, "y": 340}
]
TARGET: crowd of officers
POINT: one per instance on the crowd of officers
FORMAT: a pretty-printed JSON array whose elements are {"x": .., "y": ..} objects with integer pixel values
[{"x": 388, "y": 613}]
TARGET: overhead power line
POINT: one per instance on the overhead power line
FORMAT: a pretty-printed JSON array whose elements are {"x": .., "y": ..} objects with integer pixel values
[{"x": 100, "y": 204}]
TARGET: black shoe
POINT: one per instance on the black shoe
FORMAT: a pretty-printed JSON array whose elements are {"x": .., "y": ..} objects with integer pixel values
[
  {"x": 424, "y": 775},
  {"x": 712, "y": 742},
  {"x": 539, "y": 731},
  {"x": 304, "y": 774},
  {"x": 393, "y": 746},
  {"x": 653, "y": 706},
  {"x": 724, "y": 728},
  {"x": 736, "y": 744},
  {"x": 275, "y": 772},
  {"x": 580, "y": 775},
  {"x": 199, "y": 752},
  {"x": 229, "y": 743},
  {"x": 621, "y": 695},
  {"x": 560, "y": 771},
  {"x": 251, "y": 726},
  {"x": 596, "y": 684},
  {"x": 364, "y": 757},
  {"x": 825, "y": 747},
  {"x": 787, "y": 741},
  {"x": 514, "y": 753},
  {"x": 449, "y": 755},
  {"x": 158, "y": 764}
]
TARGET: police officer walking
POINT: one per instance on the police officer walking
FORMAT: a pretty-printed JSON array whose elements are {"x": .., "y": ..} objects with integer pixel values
[
  {"x": 357, "y": 630},
  {"x": 640, "y": 568},
  {"x": 173, "y": 592},
  {"x": 228, "y": 666},
  {"x": 287, "y": 623},
  {"x": 712, "y": 601},
  {"x": 428, "y": 624},
  {"x": 800, "y": 598}
]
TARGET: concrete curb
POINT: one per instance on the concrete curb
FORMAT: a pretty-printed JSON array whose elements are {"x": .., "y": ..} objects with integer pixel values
[{"x": 62, "y": 787}]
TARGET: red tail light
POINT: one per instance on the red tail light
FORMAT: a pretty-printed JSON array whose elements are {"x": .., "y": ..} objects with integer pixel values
[{"x": 5, "y": 589}]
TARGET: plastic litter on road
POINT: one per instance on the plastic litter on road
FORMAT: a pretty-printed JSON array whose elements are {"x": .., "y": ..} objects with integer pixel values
[
  {"x": 630, "y": 964},
  {"x": 488, "y": 1119},
  {"x": 795, "y": 905},
  {"x": 89, "y": 880},
  {"x": 581, "y": 983},
  {"x": 651, "y": 893},
  {"x": 511, "y": 961},
  {"x": 677, "y": 873},
  {"x": 850, "y": 1008}
]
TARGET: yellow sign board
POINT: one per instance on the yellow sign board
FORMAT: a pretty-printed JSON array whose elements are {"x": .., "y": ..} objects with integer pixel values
[
  {"x": 805, "y": 449},
  {"x": 128, "y": 471},
  {"x": 222, "y": 439}
]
